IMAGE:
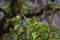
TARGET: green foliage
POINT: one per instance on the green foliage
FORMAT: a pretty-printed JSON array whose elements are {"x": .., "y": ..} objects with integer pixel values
[
  {"x": 33, "y": 30},
  {"x": 15, "y": 31},
  {"x": 55, "y": 6},
  {"x": 7, "y": 6}
]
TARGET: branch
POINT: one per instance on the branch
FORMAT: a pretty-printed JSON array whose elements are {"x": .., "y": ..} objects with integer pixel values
[{"x": 29, "y": 15}]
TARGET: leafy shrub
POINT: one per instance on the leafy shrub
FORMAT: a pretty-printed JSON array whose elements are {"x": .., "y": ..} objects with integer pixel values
[{"x": 32, "y": 30}]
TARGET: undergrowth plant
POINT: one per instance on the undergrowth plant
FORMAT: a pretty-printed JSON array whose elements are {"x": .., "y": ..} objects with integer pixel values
[{"x": 32, "y": 30}]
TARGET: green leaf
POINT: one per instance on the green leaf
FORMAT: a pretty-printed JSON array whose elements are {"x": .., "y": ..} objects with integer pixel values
[{"x": 34, "y": 35}]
